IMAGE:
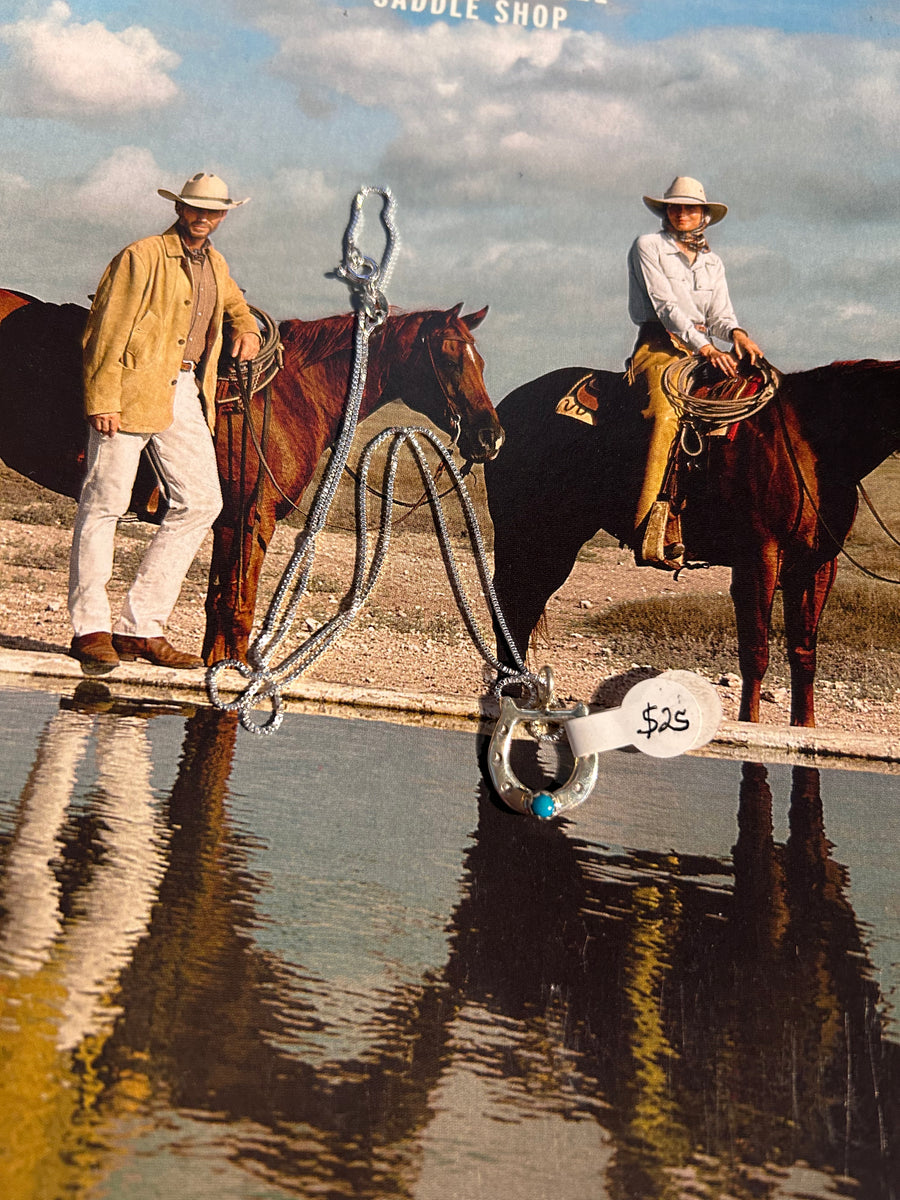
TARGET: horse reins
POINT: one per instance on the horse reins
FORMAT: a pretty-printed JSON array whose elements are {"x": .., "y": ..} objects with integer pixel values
[
  {"x": 880, "y": 521},
  {"x": 248, "y": 384},
  {"x": 255, "y": 376},
  {"x": 246, "y": 392},
  {"x": 805, "y": 492},
  {"x": 267, "y": 363}
]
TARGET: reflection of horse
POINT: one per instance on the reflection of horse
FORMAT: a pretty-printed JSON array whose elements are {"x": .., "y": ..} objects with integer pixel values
[
  {"x": 775, "y": 502},
  {"x": 710, "y": 1023},
  {"x": 427, "y": 359}
]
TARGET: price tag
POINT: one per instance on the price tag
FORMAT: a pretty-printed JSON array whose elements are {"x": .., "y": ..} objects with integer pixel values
[{"x": 664, "y": 716}]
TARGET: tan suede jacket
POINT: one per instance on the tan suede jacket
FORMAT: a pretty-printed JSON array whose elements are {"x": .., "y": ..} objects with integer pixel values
[{"x": 137, "y": 328}]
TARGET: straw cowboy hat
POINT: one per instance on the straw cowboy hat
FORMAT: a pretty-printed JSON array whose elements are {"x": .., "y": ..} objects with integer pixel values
[
  {"x": 685, "y": 190},
  {"x": 203, "y": 191}
]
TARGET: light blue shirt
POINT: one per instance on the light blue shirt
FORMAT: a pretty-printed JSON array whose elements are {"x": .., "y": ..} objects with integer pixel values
[{"x": 664, "y": 286}]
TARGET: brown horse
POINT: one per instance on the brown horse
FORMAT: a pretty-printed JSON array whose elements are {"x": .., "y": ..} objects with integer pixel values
[
  {"x": 426, "y": 359},
  {"x": 775, "y": 502}
]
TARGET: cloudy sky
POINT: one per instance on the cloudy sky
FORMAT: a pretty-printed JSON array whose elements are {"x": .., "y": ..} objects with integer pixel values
[{"x": 517, "y": 153}]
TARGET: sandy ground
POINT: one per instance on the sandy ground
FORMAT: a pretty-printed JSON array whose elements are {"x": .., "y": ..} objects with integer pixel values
[{"x": 409, "y": 636}]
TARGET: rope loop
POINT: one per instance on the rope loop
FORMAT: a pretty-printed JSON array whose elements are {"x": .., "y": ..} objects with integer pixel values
[
  {"x": 714, "y": 403},
  {"x": 264, "y": 367},
  {"x": 244, "y": 704},
  {"x": 692, "y": 440},
  {"x": 366, "y": 277}
]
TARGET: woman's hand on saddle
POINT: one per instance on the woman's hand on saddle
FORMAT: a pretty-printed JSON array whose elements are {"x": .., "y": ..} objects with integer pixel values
[
  {"x": 246, "y": 347},
  {"x": 105, "y": 423},
  {"x": 724, "y": 360},
  {"x": 745, "y": 346}
]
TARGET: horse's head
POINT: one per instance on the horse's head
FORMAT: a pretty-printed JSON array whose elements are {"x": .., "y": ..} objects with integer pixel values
[{"x": 445, "y": 382}]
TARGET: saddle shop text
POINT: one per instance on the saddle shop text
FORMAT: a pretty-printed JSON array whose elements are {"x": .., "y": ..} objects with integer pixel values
[{"x": 501, "y": 12}]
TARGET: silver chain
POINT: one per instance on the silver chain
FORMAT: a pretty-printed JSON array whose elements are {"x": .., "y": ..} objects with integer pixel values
[{"x": 367, "y": 280}]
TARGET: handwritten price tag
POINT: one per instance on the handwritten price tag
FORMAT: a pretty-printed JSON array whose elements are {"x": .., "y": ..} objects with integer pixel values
[{"x": 665, "y": 716}]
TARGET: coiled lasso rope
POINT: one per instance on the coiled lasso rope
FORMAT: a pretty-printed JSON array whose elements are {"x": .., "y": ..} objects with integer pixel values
[
  {"x": 265, "y": 679},
  {"x": 720, "y": 403},
  {"x": 264, "y": 367}
]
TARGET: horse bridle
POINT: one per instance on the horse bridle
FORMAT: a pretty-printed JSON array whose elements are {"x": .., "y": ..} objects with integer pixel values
[
  {"x": 452, "y": 409},
  {"x": 455, "y": 430}
]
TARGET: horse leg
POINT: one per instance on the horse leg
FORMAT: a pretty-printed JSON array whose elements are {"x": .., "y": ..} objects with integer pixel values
[
  {"x": 238, "y": 556},
  {"x": 220, "y": 590},
  {"x": 524, "y": 581},
  {"x": 753, "y": 583},
  {"x": 805, "y": 594},
  {"x": 257, "y": 541}
]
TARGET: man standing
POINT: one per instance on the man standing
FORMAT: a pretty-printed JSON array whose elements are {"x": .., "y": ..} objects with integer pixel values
[
  {"x": 151, "y": 350},
  {"x": 678, "y": 298}
]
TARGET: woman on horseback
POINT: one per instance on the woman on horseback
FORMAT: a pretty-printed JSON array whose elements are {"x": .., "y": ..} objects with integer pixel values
[{"x": 678, "y": 298}]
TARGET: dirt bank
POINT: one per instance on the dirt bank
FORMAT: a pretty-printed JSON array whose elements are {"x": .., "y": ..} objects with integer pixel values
[{"x": 410, "y": 636}]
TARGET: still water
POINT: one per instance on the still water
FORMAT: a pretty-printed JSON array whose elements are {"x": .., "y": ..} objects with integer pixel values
[{"x": 326, "y": 964}]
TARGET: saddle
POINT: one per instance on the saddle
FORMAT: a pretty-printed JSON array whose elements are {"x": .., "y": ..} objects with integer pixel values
[
  {"x": 582, "y": 400},
  {"x": 708, "y": 405}
]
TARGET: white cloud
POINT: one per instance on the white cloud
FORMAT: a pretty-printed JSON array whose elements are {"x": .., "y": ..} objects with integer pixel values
[
  {"x": 543, "y": 144},
  {"x": 518, "y": 161},
  {"x": 856, "y": 312},
  {"x": 12, "y": 186},
  {"x": 60, "y": 68},
  {"x": 122, "y": 191},
  {"x": 481, "y": 107},
  {"x": 299, "y": 187}
]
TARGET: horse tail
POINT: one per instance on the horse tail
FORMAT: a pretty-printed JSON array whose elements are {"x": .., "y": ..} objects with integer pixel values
[{"x": 540, "y": 635}]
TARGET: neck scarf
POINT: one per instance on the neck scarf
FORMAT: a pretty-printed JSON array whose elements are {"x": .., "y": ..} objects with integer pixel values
[
  {"x": 694, "y": 240},
  {"x": 196, "y": 256}
]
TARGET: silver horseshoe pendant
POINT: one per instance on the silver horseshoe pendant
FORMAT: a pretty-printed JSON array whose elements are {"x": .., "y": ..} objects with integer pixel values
[{"x": 543, "y": 803}]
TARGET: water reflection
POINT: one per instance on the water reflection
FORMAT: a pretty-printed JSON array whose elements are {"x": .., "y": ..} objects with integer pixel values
[
  {"x": 76, "y": 894},
  {"x": 625, "y": 1023}
]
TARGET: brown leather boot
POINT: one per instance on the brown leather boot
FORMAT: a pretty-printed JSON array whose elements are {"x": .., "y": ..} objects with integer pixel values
[
  {"x": 95, "y": 652},
  {"x": 156, "y": 650}
]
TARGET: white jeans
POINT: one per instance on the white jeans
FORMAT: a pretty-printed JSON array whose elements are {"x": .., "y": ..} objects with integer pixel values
[{"x": 187, "y": 456}]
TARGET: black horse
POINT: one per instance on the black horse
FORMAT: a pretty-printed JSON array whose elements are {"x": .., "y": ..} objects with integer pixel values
[{"x": 776, "y": 502}]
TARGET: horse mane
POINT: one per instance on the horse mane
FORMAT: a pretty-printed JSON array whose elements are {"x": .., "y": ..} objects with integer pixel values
[
  {"x": 312, "y": 341},
  {"x": 814, "y": 387},
  {"x": 836, "y": 401},
  {"x": 851, "y": 365}
]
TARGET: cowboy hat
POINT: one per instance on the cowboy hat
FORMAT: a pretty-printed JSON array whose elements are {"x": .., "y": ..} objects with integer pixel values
[
  {"x": 203, "y": 191},
  {"x": 684, "y": 190}
]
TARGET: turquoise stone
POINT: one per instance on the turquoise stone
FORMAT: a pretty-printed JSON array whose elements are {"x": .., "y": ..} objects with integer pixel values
[{"x": 543, "y": 805}]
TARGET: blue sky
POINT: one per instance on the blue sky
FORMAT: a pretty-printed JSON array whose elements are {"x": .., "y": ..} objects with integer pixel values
[{"x": 518, "y": 155}]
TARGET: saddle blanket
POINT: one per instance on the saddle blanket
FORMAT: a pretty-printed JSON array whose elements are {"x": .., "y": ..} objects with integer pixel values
[{"x": 580, "y": 402}]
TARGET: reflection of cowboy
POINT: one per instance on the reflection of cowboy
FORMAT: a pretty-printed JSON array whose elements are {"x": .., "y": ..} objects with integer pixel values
[
  {"x": 61, "y": 956},
  {"x": 86, "y": 952},
  {"x": 678, "y": 298}
]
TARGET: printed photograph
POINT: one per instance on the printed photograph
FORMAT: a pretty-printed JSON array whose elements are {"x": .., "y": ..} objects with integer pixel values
[{"x": 449, "y": 599}]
